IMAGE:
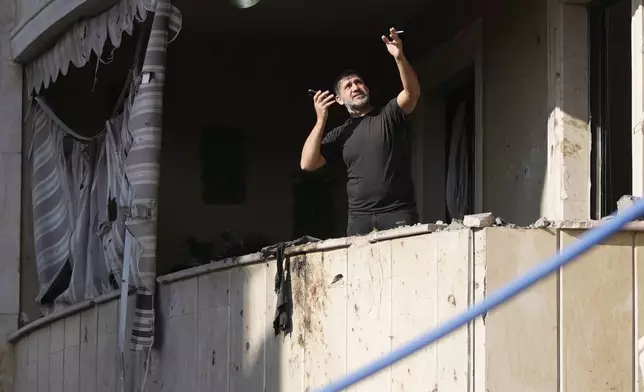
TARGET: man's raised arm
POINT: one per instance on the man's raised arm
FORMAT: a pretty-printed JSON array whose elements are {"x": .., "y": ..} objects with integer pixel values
[{"x": 408, "y": 97}]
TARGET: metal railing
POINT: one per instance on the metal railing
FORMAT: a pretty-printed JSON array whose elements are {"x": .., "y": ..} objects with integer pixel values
[{"x": 585, "y": 242}]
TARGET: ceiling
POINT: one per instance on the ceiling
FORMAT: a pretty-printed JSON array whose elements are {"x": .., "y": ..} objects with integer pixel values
[{"x": 299, "y": 17}]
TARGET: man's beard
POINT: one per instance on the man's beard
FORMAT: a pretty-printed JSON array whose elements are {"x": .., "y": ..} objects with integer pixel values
[{"x": 355, "y": 105}]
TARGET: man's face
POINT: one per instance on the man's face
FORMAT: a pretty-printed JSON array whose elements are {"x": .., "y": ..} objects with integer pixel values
[{"x": 353, "y": 93}]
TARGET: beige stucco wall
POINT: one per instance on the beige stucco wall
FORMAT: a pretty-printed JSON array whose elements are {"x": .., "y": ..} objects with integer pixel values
[
  {"x": 515, "y": 109},
  {"x": 215, "y": 329},
  {"x": 506, "y": 43},
  {"x": 577, "y": 330}
]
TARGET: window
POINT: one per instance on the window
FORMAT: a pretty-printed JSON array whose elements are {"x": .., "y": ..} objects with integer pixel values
[{"x": 610, "y": 106}]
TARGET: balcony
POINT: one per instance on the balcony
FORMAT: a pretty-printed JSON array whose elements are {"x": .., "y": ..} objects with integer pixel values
[{"x": 356, "y": 299}]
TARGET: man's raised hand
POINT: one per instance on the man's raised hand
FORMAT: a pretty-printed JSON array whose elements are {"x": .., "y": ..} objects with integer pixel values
[
  {"x": 393, "y": 43},
  {"x": 322, "y": 101}
]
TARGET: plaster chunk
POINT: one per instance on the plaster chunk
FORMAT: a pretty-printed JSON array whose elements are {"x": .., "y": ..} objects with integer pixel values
[
  {"x": 625, "y": 202},
  {"x": 542, "y": 223},
  {"x": 485, "y": 219}
]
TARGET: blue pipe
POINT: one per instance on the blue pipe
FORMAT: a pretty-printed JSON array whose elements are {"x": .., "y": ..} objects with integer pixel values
[{"x": 589, "y": 239}]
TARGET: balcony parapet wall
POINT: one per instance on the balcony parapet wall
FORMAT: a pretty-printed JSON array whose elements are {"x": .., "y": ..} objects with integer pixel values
[{"x": 356, "y": 299}]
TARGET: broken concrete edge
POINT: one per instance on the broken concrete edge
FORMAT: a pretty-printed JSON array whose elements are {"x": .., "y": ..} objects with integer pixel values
[
  {"x": 325, "y": 245},
  {"x": 68, "y": 311},
  {"x": 485, "y": 219},
  {"x": 625, "y": 202},
  {"x": 220, "y": 265},
  {"x": 385, "y": 235},
  {"x": 591, "y": 224}
]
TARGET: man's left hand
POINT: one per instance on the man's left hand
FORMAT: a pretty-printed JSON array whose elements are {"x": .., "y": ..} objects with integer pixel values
[{"x": 393, "y": 43}]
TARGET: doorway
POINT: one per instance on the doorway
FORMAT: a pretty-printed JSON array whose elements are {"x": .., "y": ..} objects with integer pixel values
[
  {"x": 610, "y": 106},
  {"x": 452, "y": 85},
  {"x": 459, "y": 144}
]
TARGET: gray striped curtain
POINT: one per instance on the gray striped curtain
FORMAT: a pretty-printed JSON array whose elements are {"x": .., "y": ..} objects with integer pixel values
[
  {"x": 80, "y": 250},
  {"x": 143, "y": 164},
  {"x": 78, "y": 244}
]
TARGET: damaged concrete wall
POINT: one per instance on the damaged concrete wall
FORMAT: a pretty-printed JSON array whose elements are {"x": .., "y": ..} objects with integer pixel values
[
  {"x": 534, "y": 112},
  {"x": 352, "y": 303},
  {"x": 535, "y": 341},
  {"x": 515, "y": 109},
  {"x": 76, "y": 353},
  {"x": 506, "y": 44},
  {"x": 357, "y": 300}
]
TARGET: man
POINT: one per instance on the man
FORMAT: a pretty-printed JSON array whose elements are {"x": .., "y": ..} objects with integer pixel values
[{"x": 372, "y": 145}]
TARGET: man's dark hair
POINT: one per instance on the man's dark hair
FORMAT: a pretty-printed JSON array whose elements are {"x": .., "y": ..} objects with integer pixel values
[{"x": 343, "y": 75}]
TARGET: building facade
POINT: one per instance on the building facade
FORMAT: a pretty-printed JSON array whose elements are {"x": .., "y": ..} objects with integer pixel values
[{"x": 541, "y": 102}]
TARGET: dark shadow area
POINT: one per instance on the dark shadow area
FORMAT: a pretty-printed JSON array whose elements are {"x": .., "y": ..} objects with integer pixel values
[
  {"x": 253, "y": 81},
  {"x": 258, "y": 85},
  {"x": 610, "y": 105},
  {"x": 87, "y": 97}
]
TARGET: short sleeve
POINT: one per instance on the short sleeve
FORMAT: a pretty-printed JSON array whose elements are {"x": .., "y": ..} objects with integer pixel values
[
  {"x": 331, "y": 148},
  {"x": 393, "y": 113}
]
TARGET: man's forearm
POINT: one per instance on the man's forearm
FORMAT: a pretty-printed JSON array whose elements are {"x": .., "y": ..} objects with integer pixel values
[
  {"x": 311, "y": 157},
  {"x": 408, "y": 76}
]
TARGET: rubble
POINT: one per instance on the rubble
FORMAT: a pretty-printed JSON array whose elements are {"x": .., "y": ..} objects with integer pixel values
[
  {"x": 485, "y": 219},
  {"x": 541, "y": 223},
  {"x": 625, "y": 202},
  {"x": 455, "y": 225},
  {"x": 572, "y": 224},
  {"x": 500, "y": 222}
]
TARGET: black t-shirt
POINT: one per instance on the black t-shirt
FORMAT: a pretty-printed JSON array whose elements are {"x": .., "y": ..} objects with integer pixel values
[{"x": 374, "y": 150}]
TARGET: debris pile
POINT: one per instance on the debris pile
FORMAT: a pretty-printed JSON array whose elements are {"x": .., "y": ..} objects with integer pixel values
[
  {"x": 487, "y": 219},
  {"x": 625, "y": 202},
  {"x": 541, "y": 223}
]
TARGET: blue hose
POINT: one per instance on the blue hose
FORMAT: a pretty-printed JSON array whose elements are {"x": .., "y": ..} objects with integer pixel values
[{"x": 589, "y": 239}]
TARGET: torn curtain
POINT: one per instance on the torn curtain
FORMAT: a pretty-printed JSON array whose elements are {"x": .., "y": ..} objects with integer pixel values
[
  {"x": 89, "y": 194},
  {"x": 85, "y": 37},
  {"x": 78, "y": 242}
]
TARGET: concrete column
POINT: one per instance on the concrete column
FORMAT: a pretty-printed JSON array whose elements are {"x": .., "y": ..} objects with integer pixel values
[
  {"x": 10, "y": 188},
  {"x": 637, "y": 106},
  {"x": 567, "y": 185}
]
